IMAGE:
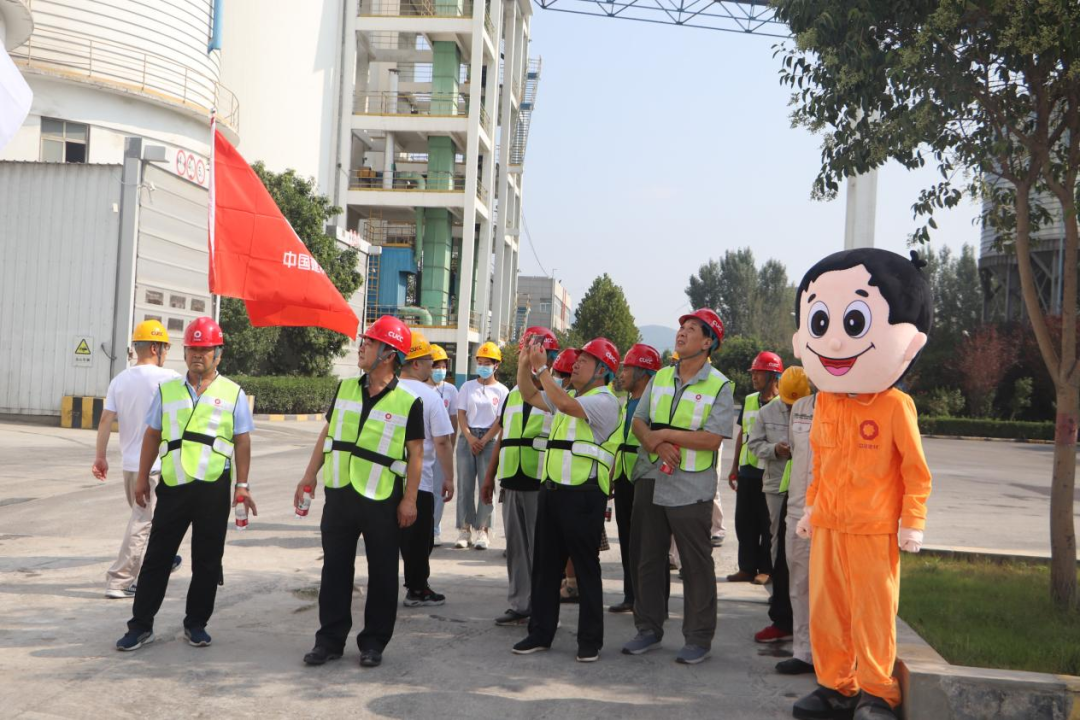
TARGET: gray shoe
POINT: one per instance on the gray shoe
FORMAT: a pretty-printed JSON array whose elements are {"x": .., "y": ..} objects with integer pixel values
[
  {"x": 691, "y": 655},
  {"x": 643, "y": 643}
]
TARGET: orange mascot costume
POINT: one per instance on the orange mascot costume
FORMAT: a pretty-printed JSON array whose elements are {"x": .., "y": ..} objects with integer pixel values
[{"x": 862, "y": 317}]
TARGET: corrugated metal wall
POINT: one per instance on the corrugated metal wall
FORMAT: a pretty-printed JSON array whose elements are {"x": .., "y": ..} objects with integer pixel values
[
  {"x": 59, "y": 228},
  {"x": 171, "y": 270}
]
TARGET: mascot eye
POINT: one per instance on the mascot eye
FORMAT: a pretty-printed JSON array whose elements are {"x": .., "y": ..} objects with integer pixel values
[
  {"x": 819, "y": 319},
  {"x": 857, "y": 319}
]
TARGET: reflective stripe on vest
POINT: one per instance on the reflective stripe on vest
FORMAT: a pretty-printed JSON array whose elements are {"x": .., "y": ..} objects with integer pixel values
[
  {"x": 378, "y": 455},
  {"x": 751, "y": 407},
  {"x": 342, "y": 433},
  {"x": 517, "y": 448},
  {"x": 691, "y": 412},
  {"x": 572, "y": 450},
  {"x": 196, "y": 437}
]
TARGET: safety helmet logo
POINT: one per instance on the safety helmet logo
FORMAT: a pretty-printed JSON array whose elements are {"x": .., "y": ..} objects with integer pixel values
[
  {"x": 198, "y": 335},
  {"x": 395, "y": 335}
]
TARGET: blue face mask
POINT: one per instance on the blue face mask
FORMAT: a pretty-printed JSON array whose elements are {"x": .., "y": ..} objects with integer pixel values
[
  {"x": 557, "y": 381},
  {"x": 485, "y": 371},
  {"x": 438, "y": 375}
]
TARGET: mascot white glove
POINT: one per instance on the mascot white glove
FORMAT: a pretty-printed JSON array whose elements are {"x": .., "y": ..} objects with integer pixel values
[
  {"x": 911, "y": 540},
  {"x": 804, "y": 529}
]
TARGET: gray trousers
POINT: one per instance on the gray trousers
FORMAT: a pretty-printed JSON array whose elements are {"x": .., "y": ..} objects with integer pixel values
[
  {"x": 519, "y": 526},
  {"x": 798, "y": 562},
  {"x": 471, "y": 469},
  {"x": 775, "y": 501},
  {"x": 651, "y": 529},
  {"x": 132, "y": 548}
]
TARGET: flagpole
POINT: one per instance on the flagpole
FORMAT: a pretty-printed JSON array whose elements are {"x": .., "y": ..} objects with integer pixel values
[{"x": 210, "y": 215}]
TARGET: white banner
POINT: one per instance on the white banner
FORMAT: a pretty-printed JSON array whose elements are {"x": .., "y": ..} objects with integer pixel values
[{"x": 15, "y": 99}]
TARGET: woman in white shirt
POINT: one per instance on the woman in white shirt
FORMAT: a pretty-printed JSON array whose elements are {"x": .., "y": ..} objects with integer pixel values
[
  {"x": 448, "y": 392},
  {"x": 479, "y": 403}
]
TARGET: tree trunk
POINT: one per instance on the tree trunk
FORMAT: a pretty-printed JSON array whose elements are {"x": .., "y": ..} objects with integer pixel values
[{"x": 1062, "y": 527}]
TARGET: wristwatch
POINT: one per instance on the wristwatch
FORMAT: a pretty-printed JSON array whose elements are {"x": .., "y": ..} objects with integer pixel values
[
  {"x": 542, "y": 369},
  {"x": 241, "y": 486}
]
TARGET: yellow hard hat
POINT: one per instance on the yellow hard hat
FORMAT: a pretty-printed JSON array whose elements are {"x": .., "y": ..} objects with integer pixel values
[
  {"x": 420, "y": 346},
  {"x": 674, "y": 357},
  {"x": 490, "y": 351},
  {"x": 437, "y": 353},
  {"x": 794, "y": 385},
  {"x": 150, "y": 331}
]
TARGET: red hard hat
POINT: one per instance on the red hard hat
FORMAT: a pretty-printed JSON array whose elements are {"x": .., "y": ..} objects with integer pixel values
[
  {"x": 711, "y": 320},
  {"x": 768, "y": 362},
  {"x": 203, "y": 332},
  {"x": 390, "y": 330},
  {"x": 564, "y": 363},
  {"x": 605, "y": 351},
  {"x": 642, "y": 356},
  {"x": 548, "y": 341}
]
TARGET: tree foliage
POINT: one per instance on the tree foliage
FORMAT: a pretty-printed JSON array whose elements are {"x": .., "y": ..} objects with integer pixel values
[
  {"x": 292, "y": 350},
  {"x": 604, "y": 312}
]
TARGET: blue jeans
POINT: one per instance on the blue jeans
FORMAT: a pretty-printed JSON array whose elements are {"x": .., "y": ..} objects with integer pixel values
[{"x": 471, "y": 511}]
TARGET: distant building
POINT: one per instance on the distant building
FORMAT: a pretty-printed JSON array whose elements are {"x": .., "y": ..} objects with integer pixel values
[{"x": 542, "y": 301}]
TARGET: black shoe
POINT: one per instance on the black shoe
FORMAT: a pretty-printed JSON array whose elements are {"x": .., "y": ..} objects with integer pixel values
[
  {"x": 528, "y": 646},
  {"x": 871, "y": 707},
  {"x": 586, "y": 654},
  {"x": 370, "y": 658},
  {"x": 512, "y": 617},
  {"x": 319, "y": 655},
  {"x": 426, "y": 597},
  {"x": 623, "y": 607},
  {"x": 794, "y": 666},
  {"x": 825, "y": 704}
]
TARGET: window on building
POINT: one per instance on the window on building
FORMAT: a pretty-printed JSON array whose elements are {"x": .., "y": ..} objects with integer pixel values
[
  {"x": 152, "y": 317},
  {"x": 198, "y": 305},
  {"x": 176, "y": 325},
  {"x": 545, "y": 307},
  {"x": 177, "y": 301},
  {"x": 63, "y": 141},
  {"x": 155, "y": 297}
]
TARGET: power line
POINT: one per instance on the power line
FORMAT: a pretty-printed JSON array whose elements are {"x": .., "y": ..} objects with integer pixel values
[{"x": 532, "y": 247}]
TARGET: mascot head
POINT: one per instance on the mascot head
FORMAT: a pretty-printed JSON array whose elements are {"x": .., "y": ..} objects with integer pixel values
[{"x": 861, "y": 318}]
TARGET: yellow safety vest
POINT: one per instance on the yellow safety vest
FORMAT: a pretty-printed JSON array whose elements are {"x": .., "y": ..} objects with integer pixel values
[
  {"x": 623, "y": 444},
  {"x": 196, "y": 437},
  {"x": 342, "y": 433},
  {"x": 518, "y": 448},
  {"x": 572, "y": 450},
  {"x": 751, "y": 407},
  {"x": 690, "y": 413}
]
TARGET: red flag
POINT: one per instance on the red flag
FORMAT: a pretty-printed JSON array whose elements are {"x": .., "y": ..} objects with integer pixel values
[{"x": 256, "y": 256}]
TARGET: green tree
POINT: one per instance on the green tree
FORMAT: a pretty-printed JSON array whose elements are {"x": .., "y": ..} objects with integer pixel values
[
  {"x": 734, "y": 358},
  {"x": 293, "y": 350},
  {"x": 989, "y": 92},
  {"x": 604, "y": 312},
  {"x": 957, "y": 315}
]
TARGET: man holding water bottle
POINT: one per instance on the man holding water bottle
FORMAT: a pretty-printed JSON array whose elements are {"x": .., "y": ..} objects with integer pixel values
[{"x": 681, "y": 420}]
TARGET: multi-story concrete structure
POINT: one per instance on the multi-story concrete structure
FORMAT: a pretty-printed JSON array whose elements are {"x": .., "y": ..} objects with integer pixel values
[{"x": 542, "y": 300}]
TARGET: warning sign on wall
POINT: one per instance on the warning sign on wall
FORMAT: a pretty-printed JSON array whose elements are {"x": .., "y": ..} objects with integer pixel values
[{"x": 84, "y": 350}]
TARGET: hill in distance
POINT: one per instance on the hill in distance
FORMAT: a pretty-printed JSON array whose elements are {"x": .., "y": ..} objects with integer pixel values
[{"x": 660, "y": 337}]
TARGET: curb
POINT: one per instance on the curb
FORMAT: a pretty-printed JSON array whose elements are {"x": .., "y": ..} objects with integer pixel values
[
  {"x": 998, "y": 556},
  {"x": 278, "y": 417},
  {"x": 989, "y": 439}
]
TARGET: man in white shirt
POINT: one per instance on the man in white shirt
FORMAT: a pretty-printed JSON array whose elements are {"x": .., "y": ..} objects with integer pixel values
[
  {"x": 416, "y": 540},
  {"x": 127, "y": 401},
  {"x": 448, "y": 392}
]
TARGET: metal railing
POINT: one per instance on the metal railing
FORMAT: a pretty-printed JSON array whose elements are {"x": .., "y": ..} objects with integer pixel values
[
  {"x": 397, "y": 41},
  {"x": 129, "y": 68},
  {"x": 485, "y": 119},
  {"x": 425, "y": 72},
  {"x": 414, "y": 8},
  {"x": 382, "y": 232},
  {"x": 489, "y": 26},
  {"x": 411, "y": 103},
  {"x": 436, "y": 319},
  {"x": 481, "y": 191},
  {"x": 367, "y": 179}
]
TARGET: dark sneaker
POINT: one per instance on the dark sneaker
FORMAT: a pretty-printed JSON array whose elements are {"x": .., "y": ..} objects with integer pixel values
[
  {"x": 427, "y": 597},
  {"x": 623, "y": 607},
  {"x": 586, "y": 654},
  {"x": 794, "y": 666},
  {"x": 823, "y": 704},
  {"x": 692, "y": 655},
  {"x": 370, "y": 658},
  {"x": 717, "y": 540},
  {"x": 134, "y": 640},
  {"x": 741, "y": 576},
  {"x": 176, "y": 563},
  {"x": 643, "y": 643},
  {"x": 320, "y": 656},
  {"x": 528, "y": 646},
  {"x": 197, "y": 637},
  {"x": 871, "y": 707},
  {"x": 512, "y": 617}
]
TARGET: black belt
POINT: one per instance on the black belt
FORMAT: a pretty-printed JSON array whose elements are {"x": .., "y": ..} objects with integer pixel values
[
  {"x": 371, "y": 456},
  {"x": 191, "y": 437},
  {"x": 517, "y": 442},
  {"x": 560, "y": 445},
  {"x": 590, "y": 483},
  {"x": 341, "y": 446},
  {"x": 627, "y": 447}
]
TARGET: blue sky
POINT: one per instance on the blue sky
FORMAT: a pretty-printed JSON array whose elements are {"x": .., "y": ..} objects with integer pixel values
[{"x": 654, "y": 148}]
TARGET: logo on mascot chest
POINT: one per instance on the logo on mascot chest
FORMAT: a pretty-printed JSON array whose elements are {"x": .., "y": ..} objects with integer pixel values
[{"x": 868, "y": 431}]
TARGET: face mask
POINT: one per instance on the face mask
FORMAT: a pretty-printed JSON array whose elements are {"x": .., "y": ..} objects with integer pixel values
[
  {"x": 485, "y": 371},
  {"x": 438, "y": 375},
  {"x": 557, "y": 381}
]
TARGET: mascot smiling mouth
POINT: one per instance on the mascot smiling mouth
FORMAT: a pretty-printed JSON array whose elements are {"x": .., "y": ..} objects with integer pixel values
[{"x": 838, "y": 366}]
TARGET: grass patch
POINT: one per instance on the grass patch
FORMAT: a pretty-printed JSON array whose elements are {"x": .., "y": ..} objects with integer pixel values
[{"x": 986, "y": 614}]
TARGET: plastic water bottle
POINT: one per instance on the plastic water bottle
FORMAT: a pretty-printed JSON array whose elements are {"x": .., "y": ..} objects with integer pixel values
[
  {"x": 305, "y": 502},
  {"x": 607, "y": 513},
  {"x": 665, "y": 468},
  {"x": 241, "y": 515}
]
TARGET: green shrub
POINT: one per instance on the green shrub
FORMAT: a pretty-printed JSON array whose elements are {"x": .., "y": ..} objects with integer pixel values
[
  {"x": 941, "y": 402},
  {"x": 289, "y": 395},
  {"x": 982, "y": 427}
]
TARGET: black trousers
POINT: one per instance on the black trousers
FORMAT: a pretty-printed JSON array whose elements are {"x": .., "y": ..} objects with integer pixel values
[
  {"x": 624, "y": 507},
  {"x": 204, "y": 507},
  {"x": 780, "y": 600},
  {"x": 417, "y": 542},
  {"x": 346, "y": 516},
  {"x": 568, "y": 525},
  {"x": 752, "y": 527}
]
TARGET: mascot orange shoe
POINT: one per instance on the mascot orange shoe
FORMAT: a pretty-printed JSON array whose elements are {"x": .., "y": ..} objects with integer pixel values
[{"x": 862, "y": 318}]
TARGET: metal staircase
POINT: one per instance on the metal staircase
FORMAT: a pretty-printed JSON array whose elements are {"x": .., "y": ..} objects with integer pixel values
[{"x": 525, "y": 108}]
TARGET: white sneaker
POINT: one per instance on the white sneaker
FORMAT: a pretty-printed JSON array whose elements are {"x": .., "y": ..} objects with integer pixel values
[
  {"x": 464, "y": 539},
  {"x": 436, "y": 540},
  {"x": 482, "y": 540},
  {"x": 116, "y": 594}
]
